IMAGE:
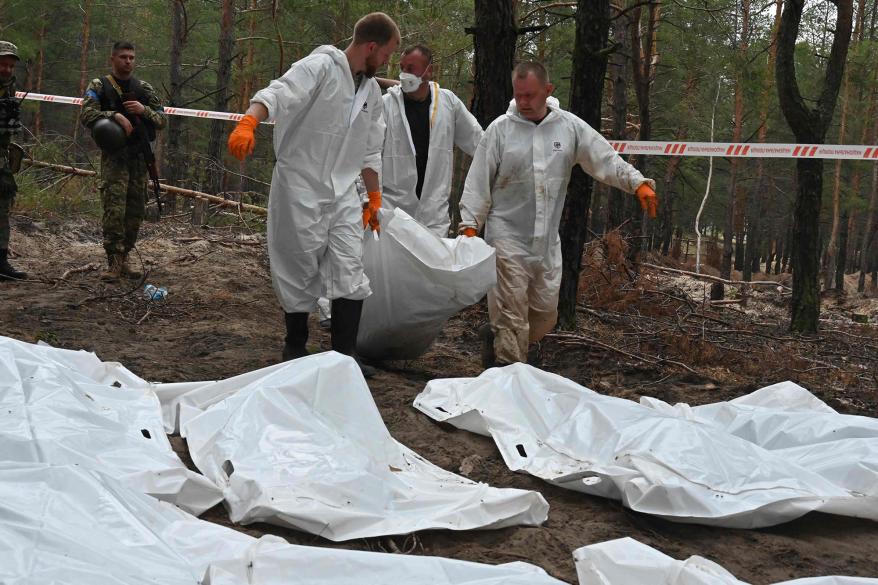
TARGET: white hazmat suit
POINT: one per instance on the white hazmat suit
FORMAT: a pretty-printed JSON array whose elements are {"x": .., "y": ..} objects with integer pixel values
[
  {"x": 451, "y": 124},
  {"x": 327, "y": 130},
  {"x": 516, "y": 188}
]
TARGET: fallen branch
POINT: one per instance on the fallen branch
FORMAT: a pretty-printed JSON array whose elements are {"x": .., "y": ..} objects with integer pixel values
[
  {"x": 716, "y": 278},
  {"x": 80, "y": 269},
  {"x": 214, "y": 199},
  {"x": 652, "y": 360}
]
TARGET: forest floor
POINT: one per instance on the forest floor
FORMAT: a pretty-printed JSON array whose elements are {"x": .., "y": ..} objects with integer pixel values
[{"x": 648, "y": 334}]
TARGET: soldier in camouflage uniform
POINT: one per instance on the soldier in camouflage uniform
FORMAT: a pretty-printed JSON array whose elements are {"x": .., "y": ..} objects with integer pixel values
[
  {"x": 9, "y": 123},
  {"x": 129, "y": 102}
]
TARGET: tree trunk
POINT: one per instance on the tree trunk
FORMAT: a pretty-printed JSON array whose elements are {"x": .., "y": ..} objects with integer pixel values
[
  {"x": 737, "y": 198},
  {"x": 666, "y": 214},
  {"x": 38, "y": 85},
  {"x": 809, "y": 126},
  {"x": 618, "y": 63},
  {"x": 494, "y": 37},
  {"x": 867, "y": 256},
  {"x": 759, "y": 198},
  {"x": 644, "y": 62},
  {"x": 841, "y": 258},
  {"x": 215, "y": 168},
  {"x": 83, "y": 60},
  {"x": 586, "y": 91},
  {"x": 248, "y": 80},
  {"x": 832, "y": 248},
  {"x": 175, "y": 162}
]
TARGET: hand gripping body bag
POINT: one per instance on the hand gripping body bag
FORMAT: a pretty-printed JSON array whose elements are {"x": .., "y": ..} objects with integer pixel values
[{"x": 418, "y": 281}]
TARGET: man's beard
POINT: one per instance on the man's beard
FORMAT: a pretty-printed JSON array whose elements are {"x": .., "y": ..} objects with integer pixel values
[{"x": 371, "y": 67}]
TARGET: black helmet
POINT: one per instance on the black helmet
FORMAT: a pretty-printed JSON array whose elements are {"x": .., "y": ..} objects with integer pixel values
[{"x": 108, "y": 135}]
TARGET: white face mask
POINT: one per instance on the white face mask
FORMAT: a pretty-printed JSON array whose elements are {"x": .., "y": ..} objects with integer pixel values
[{"x": 409, "y": 82}]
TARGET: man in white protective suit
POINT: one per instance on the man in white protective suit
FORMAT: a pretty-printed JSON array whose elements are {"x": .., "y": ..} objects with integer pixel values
[
  {"x": 424, "y": 124},
  {"x": 329, "y": 129},
  {"x": 515, "y": 190}
]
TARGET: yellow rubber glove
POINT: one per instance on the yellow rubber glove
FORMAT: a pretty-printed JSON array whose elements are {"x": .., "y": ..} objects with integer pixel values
[
  {"x": 370, "y": 211},
  {"x": 469, "y": 232},
  {"x": 242, "y": 140},
  {"x": 648, "y": 199}
]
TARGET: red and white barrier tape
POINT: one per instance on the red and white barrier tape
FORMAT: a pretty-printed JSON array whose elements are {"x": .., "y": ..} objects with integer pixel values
[
  {"x": 749, "y": 150},
  {"x": 60, "y": 99},
  {"x": 657, "y": 148}
]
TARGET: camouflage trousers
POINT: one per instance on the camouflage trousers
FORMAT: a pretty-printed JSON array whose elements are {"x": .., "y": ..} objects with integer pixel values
[
  {"x": 123, "y": 198},
  {"x": 5, "y": 209},
  {"x": 7, "y": 196}
]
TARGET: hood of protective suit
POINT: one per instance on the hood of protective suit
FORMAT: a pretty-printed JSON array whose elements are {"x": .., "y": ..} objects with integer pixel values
[
  {"x": 337, "y": 54},
  {"x": 552, "y": 102}
]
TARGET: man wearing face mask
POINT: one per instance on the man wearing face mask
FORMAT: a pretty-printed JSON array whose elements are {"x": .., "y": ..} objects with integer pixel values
[
  {"x": 424, "y": 124},
  {"x": 515, "y": 190},
  {"x": 329, "y": 129}
]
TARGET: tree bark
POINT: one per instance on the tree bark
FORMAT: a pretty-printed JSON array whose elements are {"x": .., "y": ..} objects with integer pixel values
[
  {"x": 832, "y": 248},
  {"x": 586, "y": 91},
  {"x": 737, "y": 201},
  {"x": 38, "y": 85},
  {"x": 867, "y": 257},
  {"x": 215, "y": 168},
  {"x": 494, "y": 37},
  {"x": 83, "y": 59},
  {"x": 666, "y": 213},
  {"x": 644, "y": 62},
  {"x": 809, "y": 126},
  {"x": 617, "y": 210},
  {"x": 175, "y": 162},
  {"x": 758, "y": 198}
]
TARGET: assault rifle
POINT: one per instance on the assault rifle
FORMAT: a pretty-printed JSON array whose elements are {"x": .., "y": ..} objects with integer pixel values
[{"x": 142, "y": 134}]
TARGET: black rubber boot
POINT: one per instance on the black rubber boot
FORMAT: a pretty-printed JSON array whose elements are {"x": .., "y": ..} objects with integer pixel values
[
  {"x": 486, "y": 334},
  {"x": 7, "y": 272},
  {"x": 345, "y": 326},
  {"x": 297, "y": 336}
]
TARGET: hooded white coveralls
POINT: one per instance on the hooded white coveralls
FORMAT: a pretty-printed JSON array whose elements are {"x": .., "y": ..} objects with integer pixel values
[
  {"x": 451, "y": 124},
  {"x": 516, "y": 188},
  {"x": 326, "y": 132}
]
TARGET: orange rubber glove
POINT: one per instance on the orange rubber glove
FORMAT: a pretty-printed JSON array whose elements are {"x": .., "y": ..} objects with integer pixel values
[
  {"x": 648, "y": 200},
  {"x": 370, "y": 211},
  {"x": 469, "y": 232},
  {"x": 243, "y": 137}
]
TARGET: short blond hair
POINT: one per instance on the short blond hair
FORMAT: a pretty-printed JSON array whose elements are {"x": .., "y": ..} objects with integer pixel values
[{"x": 376, "y": 27}]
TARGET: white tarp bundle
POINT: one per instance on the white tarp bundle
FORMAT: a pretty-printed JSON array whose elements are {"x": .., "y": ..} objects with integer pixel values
[
  {"x": 302, "y": 444},
  {"x": 418, "y": 281},
  {"x": 68, "y": 526},
  {"x": 68, "y": 407},
  {"x": 708, "y": 465},
  {"x": 626, "y": 561}
]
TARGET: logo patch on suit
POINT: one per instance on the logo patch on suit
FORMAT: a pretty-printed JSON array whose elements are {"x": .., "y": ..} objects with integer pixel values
[
  {"x": 365, "y": 106},
  {"x": 556, "y": 146}
]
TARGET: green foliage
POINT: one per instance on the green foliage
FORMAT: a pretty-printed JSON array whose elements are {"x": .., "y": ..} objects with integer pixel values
[{"x": 697, "y": 49}]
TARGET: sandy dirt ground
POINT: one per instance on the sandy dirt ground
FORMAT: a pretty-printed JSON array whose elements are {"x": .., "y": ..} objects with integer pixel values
[{"x": 221, "y": 319}]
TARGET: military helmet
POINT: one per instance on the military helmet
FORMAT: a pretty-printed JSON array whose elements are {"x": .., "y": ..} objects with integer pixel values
[
  {"x": 7, "y": 48},
  {"x": 108, "y": 135}
]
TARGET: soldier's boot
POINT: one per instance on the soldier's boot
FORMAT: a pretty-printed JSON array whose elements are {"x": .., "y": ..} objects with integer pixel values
[
  {"x": 128, "y": 271},
  {"x": 297, "y": 336},
  {"x": 114, "y": 268},
  {"x": 7, "y": 272},
  {"x": 486, "y": 335},
  {"x": 345, "y": 326}
]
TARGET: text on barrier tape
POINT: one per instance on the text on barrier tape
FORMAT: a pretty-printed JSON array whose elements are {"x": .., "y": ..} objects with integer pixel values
[
  {"x": 652, "y": 148},
  {"x": 749, "y": 150}
]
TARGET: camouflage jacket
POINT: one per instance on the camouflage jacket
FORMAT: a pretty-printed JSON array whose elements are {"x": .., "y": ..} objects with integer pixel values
[
  {"x": 6, "y": 90},
  {"x": 91, "y": 106}
]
